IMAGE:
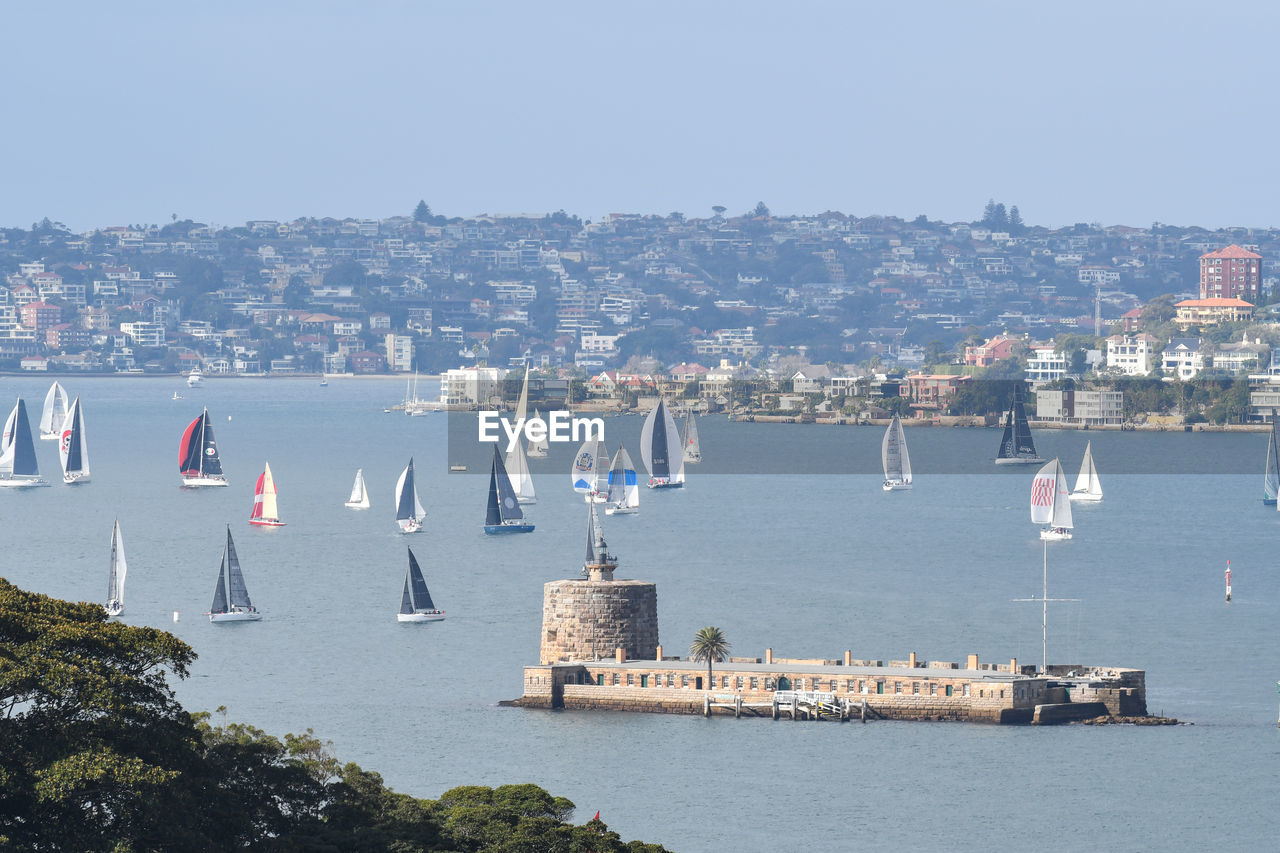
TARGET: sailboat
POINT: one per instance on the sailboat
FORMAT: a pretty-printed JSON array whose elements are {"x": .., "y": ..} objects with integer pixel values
[
  {"x": 18, "y": 466},
  {"x": 54, "y": 413},
  {"x": 265, "y": 513},
  {"x": 589, "y": 472},
  {"x": 409, "y": 511},
  {"x": 115, "y": 579},
  {"x": 415, "y": 602},
  {"x": 517, "y": 465},
  {"x": 73, "y": 450},
  {"x": 198, "y": 459},
  {"x": 503, "y": 514},
  {"x": 539, "y": 448},
  {"x": 359, "y": 498},
  {"x": 692, "y": 447},
  {"x": 1051, "y": 503},
  {"x": 230, "y": 597},
  {"x": 1088, "y": 487},
  {"x": 1271, "y": 477},
  {"x": 624, "y": 487},
  {"x": 894, "y": 457},
  {"x": 1016, "y": 446},
  {"x": 657, "y": 441}
]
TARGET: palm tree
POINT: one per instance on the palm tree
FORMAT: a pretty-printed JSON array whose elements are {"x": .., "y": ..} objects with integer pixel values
[{"x": 709, "y": 644}]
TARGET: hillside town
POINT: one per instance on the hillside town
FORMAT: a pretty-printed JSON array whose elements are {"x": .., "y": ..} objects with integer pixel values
[{"x": 816, "y": 314}]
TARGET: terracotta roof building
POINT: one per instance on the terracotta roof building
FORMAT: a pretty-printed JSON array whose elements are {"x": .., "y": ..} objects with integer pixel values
[{"x": 1233, "y": 272}]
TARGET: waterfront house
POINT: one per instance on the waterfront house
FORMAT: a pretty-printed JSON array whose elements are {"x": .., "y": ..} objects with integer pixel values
[
  {"x": 1211, "y": 311},
  {"x": 1182, "y": 358},
  {"x": 1131, "y": 355},
  {"x": 995, "y": 349}
]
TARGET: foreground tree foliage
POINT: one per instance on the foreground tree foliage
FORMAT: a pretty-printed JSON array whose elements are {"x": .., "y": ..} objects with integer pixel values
[{"x": 96, "y": 754}]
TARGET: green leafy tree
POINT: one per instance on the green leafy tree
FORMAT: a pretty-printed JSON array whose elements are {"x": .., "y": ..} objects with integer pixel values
[
  {"x": 422, "y": 213},
  {"x": 709, "y": 644}
]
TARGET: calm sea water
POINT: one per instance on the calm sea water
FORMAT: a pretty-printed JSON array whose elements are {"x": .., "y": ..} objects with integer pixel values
[{"x": 809, "y": 565}]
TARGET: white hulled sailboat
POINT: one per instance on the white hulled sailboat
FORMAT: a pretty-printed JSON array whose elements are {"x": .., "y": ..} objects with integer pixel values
[
  {"x": 54, "y": 412},
  {"x": 359, "y": 498},
  {"x": 73, "y": 449},
  {"x": 894, "y": 457},
  {"x": 692, "y": 446},
  {"x": 1016, "y": 445},
  {"x": 659, "y": 449},
  {"x": 409, "y": 511},
  {"x": 415, "y": 601},
  {"x": 503, "y": 513},
  {"x": 198, "y": 459},
  {"x": 115, "y": 577},
  {"x": 265, "y": 513},
  {"x": 1088, "y": 486},
  {"x": 230, "y": 597},
  {"x": 624, "y": 486},
  {"x": 18, "y": 466},
  {"x": 1051, "y": 503}
]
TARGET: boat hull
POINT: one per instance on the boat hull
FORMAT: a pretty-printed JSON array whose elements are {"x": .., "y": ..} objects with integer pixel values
[
  {"x": 409, "y": 525},
  {"x": 595, "y": 497},
  {"x": 1055, "y": 535},
  {"x": 11, "y": 482},
  {"x": 266, "y": 522},
  {"x": 664, "y": 484},
  {"x": 430, "y": 616},
  {"x": 202, "y": 482},
  {"x": 236, "y": 616},
  {"x": 1087, "y": 498},
  {"x": 526, "y": 501},
  {"x": 508, "y": 528},
  {"x": 693, "y": 460},
  {"x": 894, "y": 486},
  {"x": 355, "y": 505},
  {"x": 1268, "y": 501},
  {"x": 1019, "y": 460},
  {"x": 54, "y": 436},
  {"x": 114, "y": 608},
  {"x": 620, "y": 510}
]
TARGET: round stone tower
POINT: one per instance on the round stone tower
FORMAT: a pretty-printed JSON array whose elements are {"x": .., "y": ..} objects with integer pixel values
[{"x": 592, "y": 617}]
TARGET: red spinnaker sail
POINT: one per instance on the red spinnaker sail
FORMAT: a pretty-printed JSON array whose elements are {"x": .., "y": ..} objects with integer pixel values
[
  {"x": 185, "y": 456},
  {"x": 257, "y": 497}
]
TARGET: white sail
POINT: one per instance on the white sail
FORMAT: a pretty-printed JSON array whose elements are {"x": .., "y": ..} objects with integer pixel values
[
  {"x": 359, "y": 498},
  {"x": 582, "y": 473},
  {"x": 115, "y": 580},
  {"x": 1050, "y": 501},
  {"x": 409, "y": 511},
  {"x": 894, "y": 457},
  {"x": 6, "y": 441},
  {"x": 692, "y": 446},
  {"x": 539, "y": 448},
  {"x": 518, "y": 470},
  {"x": 624, "y": 485},
  {"x": 1088, "y": 486},
  {"x": 73, "y": 448},
  {"x": 522, "y": 407},
  {"x": 602, "y": 472},
  {"x": 54, "y": 413}
]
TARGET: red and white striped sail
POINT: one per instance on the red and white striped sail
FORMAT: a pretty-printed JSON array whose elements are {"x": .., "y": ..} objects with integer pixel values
[
  {"x": 265, "y": 512},
  {"x": 1050, "y": 499}
]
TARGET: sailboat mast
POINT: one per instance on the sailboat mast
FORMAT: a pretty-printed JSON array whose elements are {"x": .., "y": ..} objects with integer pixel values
[{"x": 1044, "y": 614}]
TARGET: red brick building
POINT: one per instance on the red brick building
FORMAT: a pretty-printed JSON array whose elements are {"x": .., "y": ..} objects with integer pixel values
[
  {"x": 40, "y": 316},
  {"x": 1231, "y": 273}
]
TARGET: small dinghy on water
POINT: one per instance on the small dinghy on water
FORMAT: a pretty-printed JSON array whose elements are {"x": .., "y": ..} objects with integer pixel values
[
  {"x": 115, "y": 577},
  {"x": 658, "y": 439},
  {"x": 1051, "y": 503},
  {"x": 624, "y": 486},
  {"x": 894, "y": 458},
  {"x": 1016, "y": 445},
  {"x": 54, "y": 413},
  {"x": 409, "y": 511},
  {"x": 692, "y": 446},
  {"x": 359, "y": 498},
  {"x": 1088, "y": 486},
  {"x": 198, "y": 459},
  {"x": 231, "y": 598},
  {"x": 265, "y": 512},
  {"x": 73, "y": 449},
  {"x": 503, "y": 514},
  {"x": 415, "y": 602},
  {"x": 18, "y": 466}
]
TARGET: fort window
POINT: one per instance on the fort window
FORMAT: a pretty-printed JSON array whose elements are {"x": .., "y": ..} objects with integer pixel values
[
  {"x": 753, "y": 682},
  {"x": 684, "y": 681},
  {"x": 879, "y": 687},
  {"x": 966, "y": 690},
  {"x": 724, "y": 681},
  {"x": 948, "y": 689},
  {"x": 933, "y": 690},
  {"x": 915, "y": 688},
  {"x": 897, "y": 687},
  {"x": 631, "y": 679},
  {"x": 738, "y": 681},
  {"x": 615, "y": 679},
  {"x": 600, "y": 679},
  {"x": 644, "y": 681},
  {"x": 1001, "y": 694},
  {"x": 862, "y": 687}
]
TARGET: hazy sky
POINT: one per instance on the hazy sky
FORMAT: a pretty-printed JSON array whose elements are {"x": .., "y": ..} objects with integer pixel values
[{"x": 1115, "y": 112}]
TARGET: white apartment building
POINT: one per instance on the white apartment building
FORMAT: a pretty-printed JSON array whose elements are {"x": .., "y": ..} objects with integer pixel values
[
  {"x": 1132, "y": 355},
  {"x": 1045, "y": 365},
  {"x": 1095, "y": 408},
  {"x": 469, "y": 387},
  {"x": 399, "y": 352},
  {"x": 1182, "y": 358},
  {"x": 144, "y": 334}
]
